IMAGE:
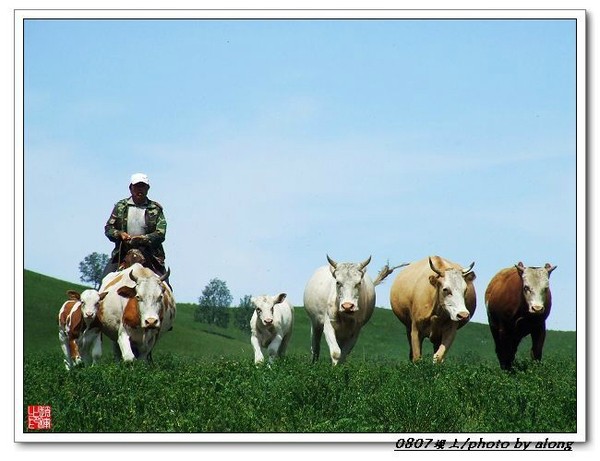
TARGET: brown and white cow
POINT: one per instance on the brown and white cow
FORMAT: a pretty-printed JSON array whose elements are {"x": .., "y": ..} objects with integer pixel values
[
  {"x": 433, "y": 298},
  {"x": 518, "y": 302},
  {"x": 138, "y": 309},
  {"x": 78, "y": 328}
]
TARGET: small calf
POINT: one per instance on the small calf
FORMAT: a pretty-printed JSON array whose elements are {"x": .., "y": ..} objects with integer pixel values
[
  {"x": 271, "y": 326},
  {"x": 78, "y": 329}
]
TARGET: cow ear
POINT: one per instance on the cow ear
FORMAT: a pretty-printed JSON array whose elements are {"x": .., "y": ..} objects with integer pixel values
[
  {"x": 126, "y": 292},
  {"x": 103, "y": 295},
  {"x": 280, "y": 298},
  {"x": 433, "y": 279},
  {"x": 73, "y": 295},
  {"x": 549, "y": 268},
  {"x": 470, "y": 276}
]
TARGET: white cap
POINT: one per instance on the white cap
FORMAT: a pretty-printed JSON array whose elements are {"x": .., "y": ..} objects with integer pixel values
[{"x": 139, "y": 177}]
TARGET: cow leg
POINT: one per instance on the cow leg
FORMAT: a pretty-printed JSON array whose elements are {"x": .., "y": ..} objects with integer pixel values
[
  {"x": 506, "y": 348},
  {"x": 91, "y": 347},
  {"x": 408, "y": 337},
  {"x": 147, "y": 356},
  {"x": 512, "y": 352},
  {"x": 348, "y": 346},
  {"x": 144, "y": 350},
  {"x": 273, "y": 348},
  {"x": 316, "y": 332},
  {"x": 447, "y": 340},
  {"x": 97, "y": 348},
  {"x": 495, "y": 337},
  {"x": 84, "y": 348},
  {"x": 75, "y": 355},
  {"x": 64, "y": 345},
  {"x": 503, "y": 341},
  {"x": 135, "y": 350},
  {"x": 258, "y": 355},
  {"x": 538, "y": 336},
  {"x": 116, "y": 352},
  {"x": 416, "y": 343},
  {"x": 437, "y": 342},
  {"x": 125, "y": 346},
  {"x": 284, "y": 344},
  {"x": 334, "y": 348}
]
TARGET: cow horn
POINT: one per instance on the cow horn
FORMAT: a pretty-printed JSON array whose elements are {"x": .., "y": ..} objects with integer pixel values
[
  {"x": 549, "y": 268},
  {"x": 165, "y": 276},
  {"x": 469, "y": 269},
  {"x": 132, "y": 277},
  {"x": 438, "y": 272},
  {"x": 363, "y": 264},
  {"x": 331, "y": 262}
]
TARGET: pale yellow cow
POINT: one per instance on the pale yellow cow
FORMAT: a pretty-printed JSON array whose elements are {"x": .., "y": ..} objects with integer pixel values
[{"x": 433, "y": 298}]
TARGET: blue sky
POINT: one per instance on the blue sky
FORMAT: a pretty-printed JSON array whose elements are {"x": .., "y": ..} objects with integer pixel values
[{"x": 271, "y": 143}]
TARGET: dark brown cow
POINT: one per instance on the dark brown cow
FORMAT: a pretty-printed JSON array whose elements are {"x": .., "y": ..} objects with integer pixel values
[{"x": 518, "y": 302}]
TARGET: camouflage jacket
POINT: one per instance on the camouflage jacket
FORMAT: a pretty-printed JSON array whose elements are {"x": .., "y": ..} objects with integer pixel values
[{"x": 156, "y": 229}]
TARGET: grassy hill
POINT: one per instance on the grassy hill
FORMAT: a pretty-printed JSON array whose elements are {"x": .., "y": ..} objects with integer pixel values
[
  {"x": 383, "y": 337},
  {"x": 204, "y": 381}
]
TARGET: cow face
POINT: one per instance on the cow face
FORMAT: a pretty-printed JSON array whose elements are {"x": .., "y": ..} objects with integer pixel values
[
  {"x": 348, "y": 280},
  {"x": 264, "y": 307},
  {"x": 536, "y": 283},
  {"x": 90, "y": 303},
  {"x": 451, "y": 286},
  {"x": 148, "y": 296}
]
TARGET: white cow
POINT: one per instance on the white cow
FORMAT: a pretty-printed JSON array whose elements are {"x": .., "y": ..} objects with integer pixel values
[
  {"x": 339, "y": 299},
  {"x": 78, "y": 328},
  {"x": 271, "y": 326},
  {"x": 138, "y": 309}
]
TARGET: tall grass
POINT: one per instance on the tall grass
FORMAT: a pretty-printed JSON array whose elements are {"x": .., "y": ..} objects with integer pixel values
[{"x": 189, "y": 396}]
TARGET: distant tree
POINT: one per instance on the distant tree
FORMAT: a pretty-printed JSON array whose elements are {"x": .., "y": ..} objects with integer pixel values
[
  {"x": 91, "y": 268},
  {"x": 213, "y": 304},
  {"x": 243, "y": 313}
]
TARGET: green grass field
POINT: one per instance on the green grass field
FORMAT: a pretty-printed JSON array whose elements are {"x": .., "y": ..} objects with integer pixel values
[{"x": 204, "y": 380}]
